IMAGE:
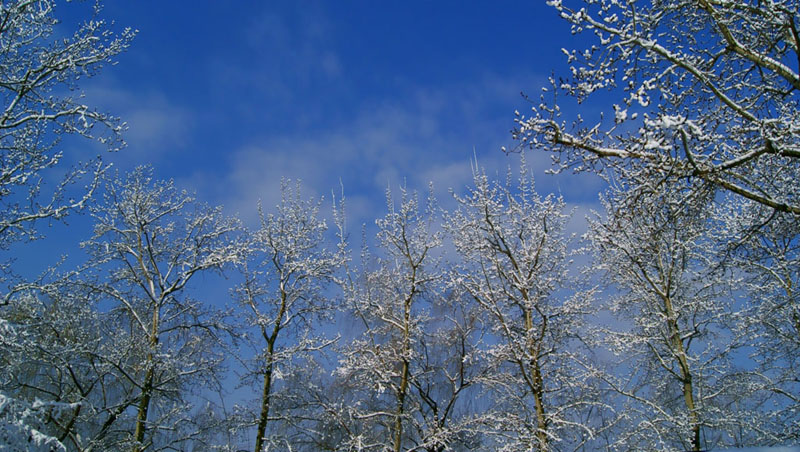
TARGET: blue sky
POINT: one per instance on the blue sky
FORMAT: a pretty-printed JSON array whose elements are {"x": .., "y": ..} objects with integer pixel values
[{"x": 227, "y": 98}]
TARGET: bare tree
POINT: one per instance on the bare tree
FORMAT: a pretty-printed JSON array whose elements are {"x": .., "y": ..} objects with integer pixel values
[
  {"x": 767, "y": 259},
  {"x": 704, "y": 132},
  {"x": 286, "y": 274},
  {"x": 515, "y": 257},
  {"x": 708, "y": 92},
  {"x": 150, "y": 241},
  {"x": 45, "y": 343},
  {"x": 39, "y": 75},
  {"x": 680, "y": 306},
  {"x": 407, "y": 372}
]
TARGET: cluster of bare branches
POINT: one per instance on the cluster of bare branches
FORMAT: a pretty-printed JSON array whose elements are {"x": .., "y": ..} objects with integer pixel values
[{"x": 455, "y": 330}]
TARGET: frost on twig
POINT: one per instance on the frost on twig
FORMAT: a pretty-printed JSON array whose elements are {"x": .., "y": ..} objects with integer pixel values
[{"x": 708, "y": 91}]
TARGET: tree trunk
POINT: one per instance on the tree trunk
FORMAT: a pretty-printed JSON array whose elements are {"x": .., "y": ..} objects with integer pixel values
[
  {"x": 538, "y": 396},
  {"x": 686, "y": 375},
  {"x": 144, "y": 406},
  {"x": 401, "y": 393},
  {"x": 404, "y": 373},
  {"x": 538, "y": 384},
  {"x": 149, "y": 377},
  {"x": 266, "y": 392},
  {"x": 265, "y": 398},
  {"x": 401, "y": 398}
]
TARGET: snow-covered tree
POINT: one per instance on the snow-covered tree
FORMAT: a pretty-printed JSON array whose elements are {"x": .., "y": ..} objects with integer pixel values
[
  {"x": 705, "y": 121},
  {"x": 708, "y": 92},
  {"x": 286, "y": 274},
  {"x": 50, "y": 359},
  {"x": 678, "y": 310},
  {"x": 406, "y": 374},
  {"x": 768, "y": 259},
  {"x": 515, "y": 259},
  {"x": 448, "y": 385},
  {"x": 150, "y": 241},
  {"x": 38, "y": 77},
  {"x": 19, "y": 432}
]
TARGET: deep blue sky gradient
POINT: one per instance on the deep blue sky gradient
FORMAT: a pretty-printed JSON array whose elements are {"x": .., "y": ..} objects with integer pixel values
[{"x": 228, "y": 97}]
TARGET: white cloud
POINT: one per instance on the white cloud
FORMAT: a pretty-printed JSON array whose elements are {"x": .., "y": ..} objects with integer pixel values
[
  {"x": 156, "y": 126},
  {"x": 410, "y": 143}
]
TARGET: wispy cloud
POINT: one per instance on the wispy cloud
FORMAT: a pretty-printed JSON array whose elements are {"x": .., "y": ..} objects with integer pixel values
[
  {"x": 156, "y": 126},
  {"x": 286, "y": 103},
  {"x": 420, "y": 139}
]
